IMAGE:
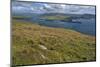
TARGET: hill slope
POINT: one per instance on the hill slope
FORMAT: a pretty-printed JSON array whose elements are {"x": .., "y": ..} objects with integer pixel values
[{"x": 35, "y": 44}]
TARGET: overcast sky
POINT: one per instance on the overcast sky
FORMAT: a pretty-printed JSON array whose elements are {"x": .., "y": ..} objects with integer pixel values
[{"x": 33, "y": 7}]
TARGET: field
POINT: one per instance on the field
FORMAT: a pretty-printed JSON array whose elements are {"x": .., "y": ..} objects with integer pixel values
[
  {"x": 56, "y": 17},
  {"x": 35, "y": 44}
]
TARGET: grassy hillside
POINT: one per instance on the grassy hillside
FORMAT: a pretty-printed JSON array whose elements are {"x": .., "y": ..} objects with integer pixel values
[
  {"x": 35, "y": 44},
  {"x": 21, "y": 17}
]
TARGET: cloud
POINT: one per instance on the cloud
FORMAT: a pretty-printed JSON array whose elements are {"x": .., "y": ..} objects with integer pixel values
[{"x": 33, "y": 7}]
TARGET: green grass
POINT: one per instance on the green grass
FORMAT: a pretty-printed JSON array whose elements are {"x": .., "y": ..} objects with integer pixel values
[
  {"x": 57, "y": 17},
  {"x": 35, "y": 44}
]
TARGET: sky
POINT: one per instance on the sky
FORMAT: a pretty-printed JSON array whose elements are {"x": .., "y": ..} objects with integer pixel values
[{"x": 36, "y": 7}]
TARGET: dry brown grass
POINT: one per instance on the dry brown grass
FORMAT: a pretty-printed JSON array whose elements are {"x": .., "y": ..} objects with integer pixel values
[{"x": 62, "y": 45}]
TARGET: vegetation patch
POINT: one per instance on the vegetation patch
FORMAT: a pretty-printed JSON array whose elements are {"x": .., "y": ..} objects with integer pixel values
[
  {"x": 35, "y": 44},
  {"x": 57, "y": 17}
]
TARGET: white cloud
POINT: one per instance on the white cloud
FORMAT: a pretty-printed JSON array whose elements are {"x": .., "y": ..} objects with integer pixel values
[
  {"x": 56, "y": 8},
  {"x": 47, "y": 6}
]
